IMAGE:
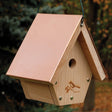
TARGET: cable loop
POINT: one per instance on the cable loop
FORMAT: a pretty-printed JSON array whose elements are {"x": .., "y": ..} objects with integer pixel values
[{"x": 82, "y": 20}]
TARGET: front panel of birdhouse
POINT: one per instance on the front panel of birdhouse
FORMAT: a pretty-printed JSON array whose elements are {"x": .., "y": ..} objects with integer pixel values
[{"x": 74, "y": 76}]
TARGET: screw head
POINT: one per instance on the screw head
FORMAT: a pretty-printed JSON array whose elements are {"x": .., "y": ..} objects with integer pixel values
[
  {"x": 56, "y": 83},
  {"x": 60, "y": 98},
  {"x": 3, "y": 93},
  {"x": 88, "y": 79},
  {"x": 71, "y": 98}
]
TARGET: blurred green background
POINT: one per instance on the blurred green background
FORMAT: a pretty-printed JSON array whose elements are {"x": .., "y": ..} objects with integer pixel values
[{"x": 16, "y": 17}]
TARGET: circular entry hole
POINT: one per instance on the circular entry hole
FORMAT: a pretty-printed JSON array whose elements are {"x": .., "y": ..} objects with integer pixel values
[{"x": 72, "y": 63}]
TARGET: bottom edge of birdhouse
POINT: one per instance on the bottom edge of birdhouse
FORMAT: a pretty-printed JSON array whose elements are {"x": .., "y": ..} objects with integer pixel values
[{"x": 44, "y": 93}]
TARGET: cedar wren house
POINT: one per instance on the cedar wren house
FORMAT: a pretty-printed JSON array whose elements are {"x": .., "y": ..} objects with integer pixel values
[{"x": 56, "y": 60}]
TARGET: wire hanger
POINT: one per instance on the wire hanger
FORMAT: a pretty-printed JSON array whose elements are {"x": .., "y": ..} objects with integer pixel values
[{"x": 82, "y": 20}]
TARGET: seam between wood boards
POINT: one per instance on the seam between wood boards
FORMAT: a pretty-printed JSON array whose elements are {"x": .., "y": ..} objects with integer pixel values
[{"x": 51, "y": 94}]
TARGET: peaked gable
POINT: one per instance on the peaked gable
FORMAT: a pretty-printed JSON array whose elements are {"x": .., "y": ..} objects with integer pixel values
[{"x": 84, "y": 38}]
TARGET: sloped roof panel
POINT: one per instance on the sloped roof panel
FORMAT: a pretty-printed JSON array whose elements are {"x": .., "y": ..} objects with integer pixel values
[{"x": 43, "y": 46}]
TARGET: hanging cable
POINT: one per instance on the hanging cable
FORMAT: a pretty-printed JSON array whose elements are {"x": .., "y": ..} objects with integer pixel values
[
  {"x": 38, "y": 6},
  {"x": 82, "y": 20}
]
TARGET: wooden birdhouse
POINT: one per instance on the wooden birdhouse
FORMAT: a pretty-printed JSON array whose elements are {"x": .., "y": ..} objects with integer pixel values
[{"x": 56, "y": 60}]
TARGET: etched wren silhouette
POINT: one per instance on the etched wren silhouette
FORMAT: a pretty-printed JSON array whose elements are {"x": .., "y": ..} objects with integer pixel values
[{"x": 71, "y": 87}]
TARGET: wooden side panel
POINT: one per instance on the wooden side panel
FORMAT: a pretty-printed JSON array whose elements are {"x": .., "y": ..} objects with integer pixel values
[
  {"x": 73, "y": 77},
  {"x": 53, "y": 93},
  {"x": 37, "y": 91},
  {"x": 91, "y": 54}
]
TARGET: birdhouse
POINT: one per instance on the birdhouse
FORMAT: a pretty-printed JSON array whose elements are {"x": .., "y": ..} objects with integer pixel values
[{"x": 57, "y": 59}]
